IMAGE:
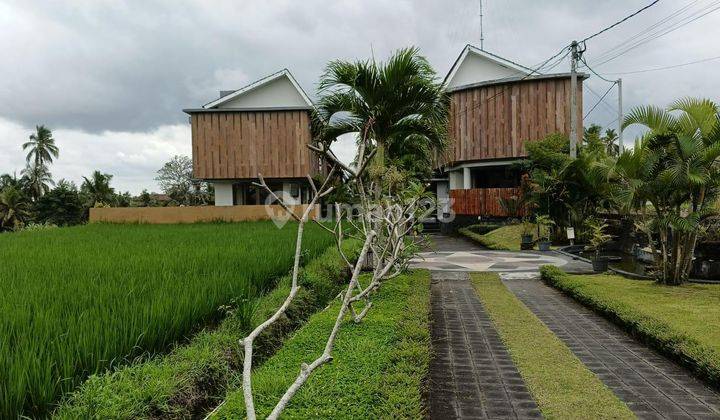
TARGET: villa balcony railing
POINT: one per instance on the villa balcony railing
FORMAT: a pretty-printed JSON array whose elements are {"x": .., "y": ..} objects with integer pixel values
[{"x": 481, "y": 201}]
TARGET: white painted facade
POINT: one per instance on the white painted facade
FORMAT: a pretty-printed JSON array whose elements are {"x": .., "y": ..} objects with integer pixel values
[
  {"x": 475, "y": 66},
  {"x": 279, "y": 93},
  {"x": 223, "y": 193},
  {"x": 278, "y": 90}
]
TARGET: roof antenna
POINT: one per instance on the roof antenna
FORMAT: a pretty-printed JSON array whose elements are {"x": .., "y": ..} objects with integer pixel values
[{"x": 482, "y": 38}]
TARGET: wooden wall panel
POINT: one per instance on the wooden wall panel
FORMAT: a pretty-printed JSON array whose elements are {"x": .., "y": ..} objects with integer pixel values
[
  {"x": 496, "y": 121},
  {"x": 237, "y": 145},
  {"x": 482, "y": 201}
]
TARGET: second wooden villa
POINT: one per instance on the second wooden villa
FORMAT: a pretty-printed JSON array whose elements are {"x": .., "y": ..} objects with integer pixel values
[{"x": 497, "y": 107}]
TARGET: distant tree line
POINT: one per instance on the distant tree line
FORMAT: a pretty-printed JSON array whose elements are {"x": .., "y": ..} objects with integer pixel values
[{"x": 34, "y": 198}]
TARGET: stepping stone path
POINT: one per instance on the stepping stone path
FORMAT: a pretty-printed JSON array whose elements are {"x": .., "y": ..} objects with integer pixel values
[
  {"x": 473, "y": 376},
  {"x": 471, "y": 373}
]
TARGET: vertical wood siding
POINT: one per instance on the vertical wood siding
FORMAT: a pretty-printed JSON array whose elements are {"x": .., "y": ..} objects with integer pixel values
[
  {"x": 481, "y": 201},
  {"x": 496, "y": 121},
  {"x": 231, "y": 145}
]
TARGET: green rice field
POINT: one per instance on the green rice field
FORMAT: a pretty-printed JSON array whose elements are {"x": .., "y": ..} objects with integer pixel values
[{"x": 80, "y": 300}]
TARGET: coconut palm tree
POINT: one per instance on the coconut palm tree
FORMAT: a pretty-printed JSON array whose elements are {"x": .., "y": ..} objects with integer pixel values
[
  {"x": 38, "y": 180},
  {"x": 42, "y": 147},
  {"x": 14, "y": 208},
  {"x": 672, "y": 179},
  {"x": 97, "y": 188},
  {"x": 398, "y": 107}
]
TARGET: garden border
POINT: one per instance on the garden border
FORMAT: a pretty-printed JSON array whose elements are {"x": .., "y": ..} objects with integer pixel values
[{"x": 651, "y": 331}]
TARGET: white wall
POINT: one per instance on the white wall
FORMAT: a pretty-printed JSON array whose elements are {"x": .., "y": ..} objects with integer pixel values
[
  {"x": 278, "y": 93},
  {"x": 476, "y": 69},
  {"x": 456, "y": 179},
  {"x": 223, "y": 193}
]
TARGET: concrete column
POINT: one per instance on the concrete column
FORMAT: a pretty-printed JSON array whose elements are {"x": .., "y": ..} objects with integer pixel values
[
  {"x": 223, "y": 193},
  {"x": 467, "y": 181}
]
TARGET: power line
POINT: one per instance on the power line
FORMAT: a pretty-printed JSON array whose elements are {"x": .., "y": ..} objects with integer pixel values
[
  {"x": 600, "y": 100},
  {"x": 621, "y": 21},
  {"x": 595, "y": 73},
  {"x": 672, "y": 15},
  {"x": 666, "y": 67},
  {"x": 664, "y": 31}
]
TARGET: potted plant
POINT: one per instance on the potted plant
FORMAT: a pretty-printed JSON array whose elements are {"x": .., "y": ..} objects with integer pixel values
[
  {"x": 527, "y": 234},
  {"x": 598, "y": 238},
  {"x": 544, "y": 222}
]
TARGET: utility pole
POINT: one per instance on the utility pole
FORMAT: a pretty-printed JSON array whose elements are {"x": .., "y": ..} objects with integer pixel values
[
  {"x": 621, "y": 146},
  {"x": 574, "y": 57},
  {"x": 482, "y": 38}
]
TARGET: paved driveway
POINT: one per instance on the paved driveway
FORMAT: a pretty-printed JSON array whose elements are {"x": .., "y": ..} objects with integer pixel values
[{"x": 450, "y": 253}]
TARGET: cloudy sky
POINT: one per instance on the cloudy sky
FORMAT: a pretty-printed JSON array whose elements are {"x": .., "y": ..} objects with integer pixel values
[{"x": 111, "y": 77}]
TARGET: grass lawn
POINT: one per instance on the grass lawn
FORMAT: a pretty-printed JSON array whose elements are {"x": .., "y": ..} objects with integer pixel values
[
  {"x": 378, "y": 365},
  {"x": 504, "y": 238},
  {"x": 79, "y": 300},
  {"x": 681, "y": 321},
  {"x": 560, "y": 383}
]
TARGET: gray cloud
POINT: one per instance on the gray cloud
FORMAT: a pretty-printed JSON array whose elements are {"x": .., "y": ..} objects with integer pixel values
[{"x": 99, "y": 67}]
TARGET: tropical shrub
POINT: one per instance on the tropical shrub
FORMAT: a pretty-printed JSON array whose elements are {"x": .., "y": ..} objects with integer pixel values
[
  {"x": 672, "y": 179},
  {"x": 61, "y": 206}
]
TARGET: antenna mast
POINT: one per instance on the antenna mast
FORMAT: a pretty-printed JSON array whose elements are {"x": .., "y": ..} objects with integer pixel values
[{"x": 482, "y": 38}]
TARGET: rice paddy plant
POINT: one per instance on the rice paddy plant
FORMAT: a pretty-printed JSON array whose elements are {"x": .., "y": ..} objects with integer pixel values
[{"x": 76, "y": 301}]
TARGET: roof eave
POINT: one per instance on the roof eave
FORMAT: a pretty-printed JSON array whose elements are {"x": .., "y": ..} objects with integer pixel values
[
  {"x": 191, "y": 111},
  {"x": 515, "y": 79}
]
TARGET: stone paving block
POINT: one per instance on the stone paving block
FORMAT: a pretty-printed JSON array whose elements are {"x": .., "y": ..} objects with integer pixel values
[
  {"x": 651, "y": 385},
  {"x": 471, "y": 374}
]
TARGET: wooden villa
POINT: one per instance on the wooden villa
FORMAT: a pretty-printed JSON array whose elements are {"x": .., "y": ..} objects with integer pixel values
[
  {"x": 497, "y": 106},
  {"x": 261, "y": 128}
]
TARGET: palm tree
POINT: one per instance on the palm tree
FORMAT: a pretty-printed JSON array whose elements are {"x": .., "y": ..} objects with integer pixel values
[
  {"x": 672, "y": 178},
  {"x": 610, "y": 139},
  {"x": 42, "y": 147},
  {"x": 14, "y": 208},
  {"x": 38, "y": 179},
  {"x": 97, "y": 188},
  {"x": 398, "y": 107}
]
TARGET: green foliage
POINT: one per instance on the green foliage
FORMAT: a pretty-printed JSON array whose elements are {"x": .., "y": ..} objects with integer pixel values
[
  {"x": 61, "y": 206},
  {"x": 194, "y": 376},
  {"x": 377, "y": 369},
  {"x": 680, "y": 322},
  {"x": 545, "y": 223},
  {"x": 598, "y": 237},
  {"x": 42, "y": 148},
  {"x": 672, "y": 179},
  {"x": 97, "y": 190},
  {"x": 562, "y": 385},
  {"x": 569, "y": 190},
  {"x": 14, "y": 208},
  {"x": 176, "y": 180},
  {"x": 96, "y": 296},
  {"x": 399, "y": 104}
]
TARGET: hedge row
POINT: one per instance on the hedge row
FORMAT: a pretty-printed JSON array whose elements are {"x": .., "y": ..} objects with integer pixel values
[
  {"x": 377, "y": 369},
  {"x": 654, "y": 332},
  {"x": 190, "y": 380}
]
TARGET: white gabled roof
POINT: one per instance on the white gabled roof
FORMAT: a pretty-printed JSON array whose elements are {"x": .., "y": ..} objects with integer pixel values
[
  {"x": 253, "y": 87},
  {"x": 470, "y": 50}
]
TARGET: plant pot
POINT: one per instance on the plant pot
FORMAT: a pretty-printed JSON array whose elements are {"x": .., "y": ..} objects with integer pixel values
[
  {"x": 526, "y": 239},
  {"x": 600, "y": 264},
  {"x": 544, "y": 245}
]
